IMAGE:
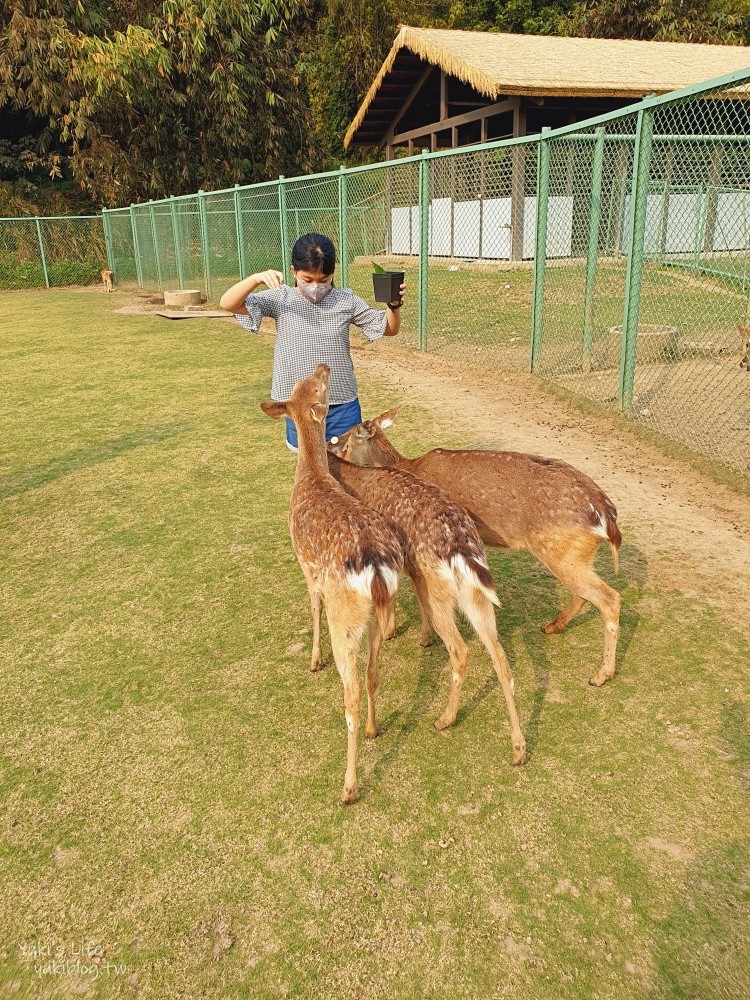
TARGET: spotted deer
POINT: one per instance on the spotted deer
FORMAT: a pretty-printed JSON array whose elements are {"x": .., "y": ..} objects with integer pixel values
[
  {"x": 519, "y": 501},
  {"x": 350, "y": 556},
  {"x": 446, "y": 562},
  {"x": 744, "y": 347},
  {"x": 107, "y": 279}
]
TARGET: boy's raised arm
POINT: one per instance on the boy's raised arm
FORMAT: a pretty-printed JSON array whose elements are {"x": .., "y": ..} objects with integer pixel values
[{"x": 233, "y": 299}]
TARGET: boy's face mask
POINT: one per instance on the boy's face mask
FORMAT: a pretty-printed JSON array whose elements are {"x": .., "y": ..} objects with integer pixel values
[{"x": 314, "y": 291}]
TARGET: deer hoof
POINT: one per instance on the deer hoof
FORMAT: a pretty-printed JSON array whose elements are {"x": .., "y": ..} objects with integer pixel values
[
  {"x": 348, "y": 796},
  {"x": 371, "y": 731},
  {"x": 600, "y": 678},
  {"x": 551, "y": 628},
  {"x": 316, "y": 665},
  {"x": 426, "y": 641},
  {"x": 519, "y": 754},
  {"x": 443, "y": 722}
]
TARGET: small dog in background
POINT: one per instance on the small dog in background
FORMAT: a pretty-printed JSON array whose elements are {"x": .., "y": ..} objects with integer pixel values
[
  {"x": 745, "y": 348},
  {"x": 107, "y": 279}
]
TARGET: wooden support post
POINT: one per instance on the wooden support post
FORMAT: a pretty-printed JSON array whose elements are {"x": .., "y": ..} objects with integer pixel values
[
  {"x": 712, "y": 197},
  {"x": 517, "y": 185}
]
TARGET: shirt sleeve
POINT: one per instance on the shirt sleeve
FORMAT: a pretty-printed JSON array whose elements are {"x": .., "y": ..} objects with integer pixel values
[
  {"x": 371, "y": 321},
  {"x": 258, "y": 305}
]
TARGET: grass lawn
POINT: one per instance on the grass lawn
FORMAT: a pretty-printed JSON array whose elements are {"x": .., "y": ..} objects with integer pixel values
[{"x": 170, "y": 771}]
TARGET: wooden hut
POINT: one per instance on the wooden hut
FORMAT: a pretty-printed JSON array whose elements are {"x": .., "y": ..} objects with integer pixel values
[
  {"x": 442, "y": 89},
  {"x": 439, "y": 89}
]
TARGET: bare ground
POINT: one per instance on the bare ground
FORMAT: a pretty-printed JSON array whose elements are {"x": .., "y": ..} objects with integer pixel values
[{"x": 693, "y": 533}]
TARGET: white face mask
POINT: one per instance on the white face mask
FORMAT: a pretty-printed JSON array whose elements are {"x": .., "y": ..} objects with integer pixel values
[{"x": 314, "y": 291}]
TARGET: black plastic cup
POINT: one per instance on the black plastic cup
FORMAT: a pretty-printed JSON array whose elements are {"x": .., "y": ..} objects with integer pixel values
[{"x": 387, "y": 287}]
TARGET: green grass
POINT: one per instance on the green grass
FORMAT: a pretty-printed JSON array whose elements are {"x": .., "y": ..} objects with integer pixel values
[{"x": 169, "y": 770}]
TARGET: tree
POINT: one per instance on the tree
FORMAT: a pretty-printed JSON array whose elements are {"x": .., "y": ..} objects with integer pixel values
[
  {"x": 718, "y": 21},
  {"x": 148, "y": 99}
]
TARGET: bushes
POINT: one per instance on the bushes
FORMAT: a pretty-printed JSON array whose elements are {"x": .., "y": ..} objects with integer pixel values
[{"x": 18, "y": 273}]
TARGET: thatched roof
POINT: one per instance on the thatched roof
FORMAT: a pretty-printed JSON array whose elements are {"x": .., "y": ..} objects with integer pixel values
[{"x": 497, "y": 64}]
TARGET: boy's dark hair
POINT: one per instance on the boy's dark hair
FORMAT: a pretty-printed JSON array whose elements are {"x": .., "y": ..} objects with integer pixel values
[{"x": 314, "y": 252}]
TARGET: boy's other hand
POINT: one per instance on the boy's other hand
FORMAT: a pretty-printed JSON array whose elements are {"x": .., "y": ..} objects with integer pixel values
[{"x": 272, "y": 279}]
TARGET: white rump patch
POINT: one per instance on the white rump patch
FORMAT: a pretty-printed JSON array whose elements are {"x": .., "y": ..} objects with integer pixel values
[
  {"x": 460, "y": 571},
  {"x": 391, "y": 579},
  {"x": 601, "y": 528},
  {"x": 362, "y": 582}
]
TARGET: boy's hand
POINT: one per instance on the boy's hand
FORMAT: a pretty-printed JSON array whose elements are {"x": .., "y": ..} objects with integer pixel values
[
  {"x": 402, "y": 289},
  {"x": 272, "y": 279}
]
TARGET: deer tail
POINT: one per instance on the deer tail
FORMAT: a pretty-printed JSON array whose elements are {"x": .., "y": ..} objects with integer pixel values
[
  {"x": 471, "y": 570},
  {"x": 383, "y": 589}
]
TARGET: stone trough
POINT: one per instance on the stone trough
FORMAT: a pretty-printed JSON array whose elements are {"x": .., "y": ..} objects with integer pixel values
[
  {"x": 183, "y": 299},
  {"x": 655, "y": 344}
]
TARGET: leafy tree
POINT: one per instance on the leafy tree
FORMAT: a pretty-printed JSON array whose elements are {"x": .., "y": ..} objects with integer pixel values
[
  {"x": 150, "y": 99},
  {"x": 723, "y": 22}
]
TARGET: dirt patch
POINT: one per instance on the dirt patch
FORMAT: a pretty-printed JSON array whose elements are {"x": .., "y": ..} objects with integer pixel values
[{"x": 693, "y": 533}]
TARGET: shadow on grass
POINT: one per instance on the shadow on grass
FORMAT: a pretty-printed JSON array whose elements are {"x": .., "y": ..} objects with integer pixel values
[
  {"x": 84, "y": 458},
  {"x": 522, "y": 616},
  {"x": 703, "y": 948},
  {"x": 516, "y": 622}
]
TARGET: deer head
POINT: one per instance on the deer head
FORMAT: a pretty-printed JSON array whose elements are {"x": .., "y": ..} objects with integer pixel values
[
  {"x": 744, "y": 347},
  {"x": 308, "y": 402},
  {"x": 366, "y": 444}
]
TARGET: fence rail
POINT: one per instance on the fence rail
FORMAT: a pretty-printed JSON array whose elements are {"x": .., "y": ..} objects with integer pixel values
[{"x": 611, "y": 256}]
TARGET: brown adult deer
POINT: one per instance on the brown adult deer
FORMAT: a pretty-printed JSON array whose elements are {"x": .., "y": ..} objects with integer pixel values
[
  {"x": 107, "y": 279},
  {"x": 519, "y": 501},
  {"x": 744, "y": 347},
  {"x": 350, "y": 556},
  {"x": 445, "y": 559}
]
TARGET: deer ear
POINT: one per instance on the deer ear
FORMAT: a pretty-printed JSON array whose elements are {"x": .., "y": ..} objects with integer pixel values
[
  {"x": 386, "y": 419},
  {"x": 273, "y": 409},
  {"x": 318, "y": 412}
]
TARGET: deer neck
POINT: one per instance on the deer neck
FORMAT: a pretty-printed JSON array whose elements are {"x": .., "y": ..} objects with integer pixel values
[
  {"x": 312, "y": 449},
  {"x": 389, "y": 458}
]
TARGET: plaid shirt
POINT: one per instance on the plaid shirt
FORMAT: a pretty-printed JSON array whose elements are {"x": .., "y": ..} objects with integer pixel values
[{"x": 308, "y": 334}]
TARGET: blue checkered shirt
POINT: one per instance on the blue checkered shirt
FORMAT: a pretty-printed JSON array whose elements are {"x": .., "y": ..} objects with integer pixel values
[{"x": 308, "y": 334}]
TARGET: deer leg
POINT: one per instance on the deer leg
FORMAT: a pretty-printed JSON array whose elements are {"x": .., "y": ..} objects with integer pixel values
[
  {"x": 391, "y": 628},
  {"x": 571, "y": 609},
  {"x": 585, "y": 582},
  {"x": 346, "y": 633},
  {"x": 609, "y": 603},
  {"x": 316, "y": 603},
  {"x": 372, "y": 678},
  {"x": 423, "y": 600},
  {"x": 481, "y": 613},
  {"x": 441, "y": 611}
]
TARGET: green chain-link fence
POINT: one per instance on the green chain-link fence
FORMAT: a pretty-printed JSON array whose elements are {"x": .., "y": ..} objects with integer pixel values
[
  {"x": 612, "y": 256},
  {"x": 65, "y": 250}
]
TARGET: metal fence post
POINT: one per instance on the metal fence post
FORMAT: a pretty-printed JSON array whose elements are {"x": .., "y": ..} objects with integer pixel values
[
  {"x": 108, "y": 243},
  {"x": 424, "y": 248},
  {"x": 540, "y": 249},
  {"x": 239, "y": 230},
  {"x": 176, "y": 242},
  {"x": 136, "y": 248},
  {"x": 635, "y": 246},
  {"x": 595, "y": 216},
  {"x": 203, "y": 223},
  {"x": 156, "y": 245},
  {"x": 343, "y": 228},
  {"x": 41, "y": 251},
  {"x": 285, "y": 249}
]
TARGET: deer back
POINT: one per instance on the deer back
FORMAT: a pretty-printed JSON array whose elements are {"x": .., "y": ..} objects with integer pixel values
[
  {"x": 517, "y": 499},
  {"x": 433, "y": 528}
]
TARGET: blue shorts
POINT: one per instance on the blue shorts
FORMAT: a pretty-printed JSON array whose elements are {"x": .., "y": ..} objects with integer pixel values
[{"x": 341, "y": 418}]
